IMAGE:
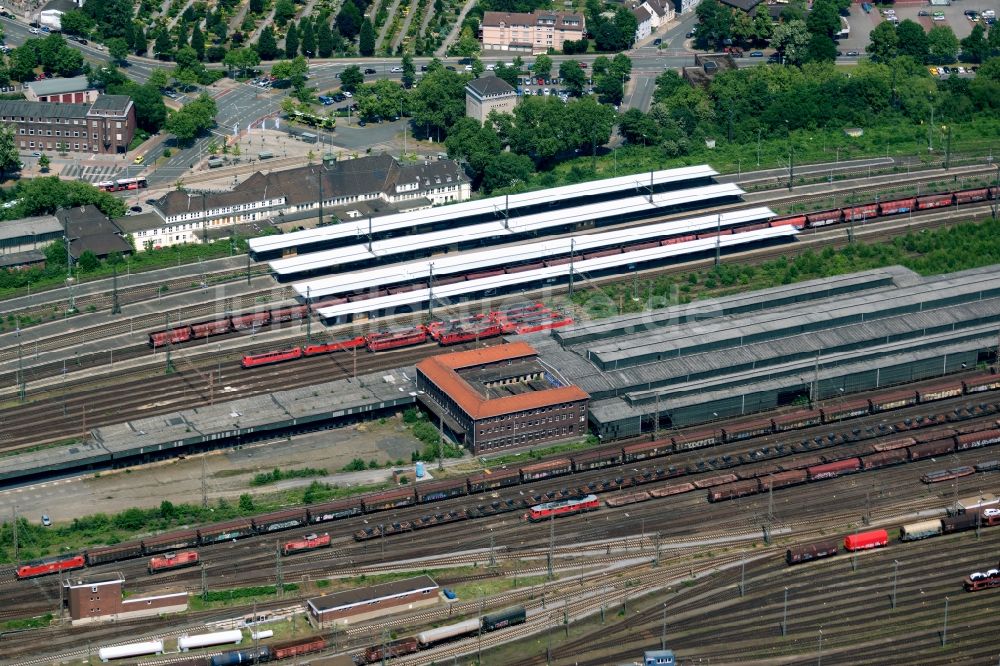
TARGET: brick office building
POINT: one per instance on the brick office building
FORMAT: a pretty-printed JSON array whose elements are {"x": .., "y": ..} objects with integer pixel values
[
  {"x": 99, "y": 598},
  {"x": 501, "y": 397},
  {"x": 106, "y": 126}
]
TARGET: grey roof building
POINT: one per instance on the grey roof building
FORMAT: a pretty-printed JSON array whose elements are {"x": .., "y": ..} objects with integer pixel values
[
  {"x": 29, "y": 233},
  {"x": 812, "y": 341},
  {"x": 76, "y": 89},
  {"x": 489, "y": 93},
  {"x": 90, "y": 230}
]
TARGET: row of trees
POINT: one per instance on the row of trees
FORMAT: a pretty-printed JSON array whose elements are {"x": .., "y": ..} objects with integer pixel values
[
  {"x": 939, "y": 46},
  {"x": 52, "y": 54}
]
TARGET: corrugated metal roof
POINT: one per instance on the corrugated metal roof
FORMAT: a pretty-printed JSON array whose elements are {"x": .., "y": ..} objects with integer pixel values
[
  {"x": 492, "y": 205},
  {"x": 505, "y": 256},
  {"x": 349, "y": 598},
  {"x": 555, "y": 272}
]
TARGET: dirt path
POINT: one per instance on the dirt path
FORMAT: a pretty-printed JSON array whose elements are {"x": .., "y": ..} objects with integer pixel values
[
  {"x": 456, "y": 29},
  {"x": 402, "y": 29},
  {"x": 393, "y": 8}
]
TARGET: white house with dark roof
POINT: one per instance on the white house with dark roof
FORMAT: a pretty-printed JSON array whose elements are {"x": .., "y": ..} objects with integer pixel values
[
  {"x": 660, "y": 12},
  {"x": 489, "y": 93},
  {"x": 644, "y": 22}
]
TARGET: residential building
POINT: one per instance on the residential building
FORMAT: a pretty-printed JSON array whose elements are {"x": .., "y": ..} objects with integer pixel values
[
  {"x": 99, "y": 598},
  {"x": 660, "y": 11},
  {"x": 686, "y": 6},
  {"x": 75, "y": 90},
  {"x": 105, "y": 126},
  {"x": 347, "y": 186},
  {"x": 489, "y": 93},
  {"x": 644, "y": 22},
  {"x": 500, "y": 397},
  {"x": 351, "y": 606},
  {"x": 530, "y": 33}
]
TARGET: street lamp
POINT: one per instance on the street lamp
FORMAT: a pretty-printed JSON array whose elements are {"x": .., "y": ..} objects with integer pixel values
[{"x": 791, "y": 157}]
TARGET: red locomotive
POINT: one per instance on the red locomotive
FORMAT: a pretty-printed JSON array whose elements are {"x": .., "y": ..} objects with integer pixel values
[
  {"x": 308, "y": 542},
  {"x": 50, "y": 566},
  {"x": 167, "y": 561},
  {"x": 396, "y": 339},
  {"x": 563, "y": 507},
  {"x": 267, "y": 358}
]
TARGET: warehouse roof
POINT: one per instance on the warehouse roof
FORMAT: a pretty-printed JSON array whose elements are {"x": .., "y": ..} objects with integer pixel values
[
  {"x": 442, "y": 370},
  {"x": 27, "y": 227},
  {"x": 512, "y": 280},
  {"x": 365, "y": 595},
  {"x": 490, "y": 206},
  {"x": 58, "y": 85}
]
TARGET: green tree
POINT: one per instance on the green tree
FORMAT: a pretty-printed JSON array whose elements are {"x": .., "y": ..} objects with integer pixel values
[
  {"x": 763, "y": 26},
  {"x": 975, "y": 47},
  {"x": 911, "y": 40},
  {"x": 506, "y": 170},
  {"x": 242, "y": 60},
  {"x": 158, "y": 78},
  {"x": 542, "y": 67},
  {"x": 307, "y": 38},
  {"x": 824, "y": 18},
  {"x": 324, "y": 38},
  {"x": 994, "y": 39},
  {"x": 439, "y": 100},
  {"x": 409, "y": 71},
  {"x": 76, "y": 22},
  {"x": 715, "y": 24},
  {"x": 197, "y": 41},
  {"x": 163, "y": 48},
  {"x": 601, "y": 66},
  {"x": 88, "y": 262},
  {"x": 291, "y": 41},
  {"x": 167, "y": 510},
  {"x": 508, "y": 74},
  {"x": 349, "y": 20},
  {"x": 790, "y": 40},
  {"x": 467, "y": 45},
  {"x": 621, "y": 66},
  {"x": 884, "y": 44},
  {"x": 820, "y": 49},
  {"x": 267, "y": 45},
  {"x": 118, "y": 50},
  {"x": 572, "y": 76},
  {"x": 366, "y": 42},
  {"x": 44, "y": 162},
  {"x": 284, "y": 11},
  {"x": 942, "y": 45},
  {"x": 637, "y": 128},
  {"x": 351, "y": 78},
  {"x": 257, "y": 6},
  {"x": 609, "y": 89},
  {"x": 150, "y": 111},
  {"x": 246, "y": 503}
]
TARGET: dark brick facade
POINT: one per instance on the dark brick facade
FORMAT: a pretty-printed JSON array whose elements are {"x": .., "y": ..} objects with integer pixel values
[{"x": 105, "y": 127}]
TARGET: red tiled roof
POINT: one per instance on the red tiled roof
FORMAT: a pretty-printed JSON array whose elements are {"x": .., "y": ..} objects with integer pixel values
[{"x": 441, "y": 370}]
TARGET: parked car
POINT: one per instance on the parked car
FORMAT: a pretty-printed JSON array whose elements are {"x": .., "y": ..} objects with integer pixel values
[
  {"x": 923, "y": 12},
  {"x": 423, "y": 68},
  {"x": 853, "y": 54},
  {"x": 369, "y": 70},
  {"x": 449, "y": 68},
  {"x": 396, "y": 70},
  {"x": 46, "y": 521},
  {"x": 34, "y": 31},
  {"x": 756, "y": 54},
  {"x": 348, "y": 93}
]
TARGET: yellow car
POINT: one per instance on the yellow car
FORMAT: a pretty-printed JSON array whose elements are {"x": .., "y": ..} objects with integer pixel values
[
  {"x": 139, "y": 160},
  {"x": 934, "y": 71}
]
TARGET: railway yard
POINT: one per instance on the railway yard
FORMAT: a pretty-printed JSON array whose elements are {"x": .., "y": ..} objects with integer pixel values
[{"x": 728, "y": 434}]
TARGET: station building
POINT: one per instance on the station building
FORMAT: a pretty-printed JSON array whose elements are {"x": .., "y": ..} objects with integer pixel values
[
  {"x": 814, "y": 343},
  {"x": 352, "y": 606},
  {"x": 501, "y": 397},
  {"x": 100, "y": 598}
]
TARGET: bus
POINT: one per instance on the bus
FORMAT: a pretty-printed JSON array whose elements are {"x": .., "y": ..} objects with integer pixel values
[{"x": 137, "y": 183}]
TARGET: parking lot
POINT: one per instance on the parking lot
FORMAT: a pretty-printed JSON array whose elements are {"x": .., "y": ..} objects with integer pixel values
[{"x": 922, "y": 13}]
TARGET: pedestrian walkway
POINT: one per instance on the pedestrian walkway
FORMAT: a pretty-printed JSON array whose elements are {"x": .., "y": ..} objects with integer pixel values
[{"x": 91, "y": 174}]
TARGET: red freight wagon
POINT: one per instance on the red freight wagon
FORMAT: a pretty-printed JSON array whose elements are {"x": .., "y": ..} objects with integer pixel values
[
  {"x": 861, "y": 212},
  {"x": 866, "y": 540},
  {"x": 897, "y": 206},
  {"x": 730, "y": 491},
  {"x": 321, "y": 513},
  {"x": 696, "y": 440},
  {"x": 977, "y": 439},
  {"x": 389, "y": 499},
  {"x": 395, "y": 648},
  {"x": 939, "y": 447},
  {"x": 330, "y": 303},
  {"x": 559, "y": 261},
  {"x": 940, "y": 391},
  {"x": 641, "y": 246},
  {"x": 524, "y": 267},
  {"x": 50, "y": 566},
  {"x": 269, "y": 358},
  {"x": 644, "y": 450},
  {"x": 331, "y": 347},
  {"x": 885, "y": 402},
  {"x": 308, "y": 542},
  {"x": 597, "y": 254},
  {"x": 834, "y": 469},
  {"x": 792, "y": 477},
  {"x": 892, "y": 444},
  {"x": 678, "y": 239},
  {"x": 543, "y": 470},
  {"x": 406, "y": 288},
  {"x": 747, "y": 430},
  {"x": 933, "y": 201},
  {"x": 227, "y": 531},
  {"x": 173, "y": 336},
  {"x": 812, "y": 551},
  {"x": 210, "y": 328},
  {"x": 597, "y": 459},
  {"x": 493, "y": 479},
  {"x": 884, "y": 458},
  {"x": 672, "y": 489},
  {"x": 622, "y": 500},
  {"x": 824, "y": 218},
  {"x": 292, "y": 648},
  {"x": 750, "y": 227},
  {"x": 173, "y": 561},
  {"x": 171, "y": 541},
  {"x": 846, "y": 410},
  {"x": 252, "y": 320},
  {"x": 983, "y": 383},
  {"x": 795, "y": 420},
  {"x": 715, "y": 481},
  {"x": 289, "y": 314},
  {"x": 451, "y": 279},
  {"x": 968, "y": 196},
  {"x": 484, "y": 274},
  {"x": 934, "y": 435},
  {"x": 797, "y": 221}
]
